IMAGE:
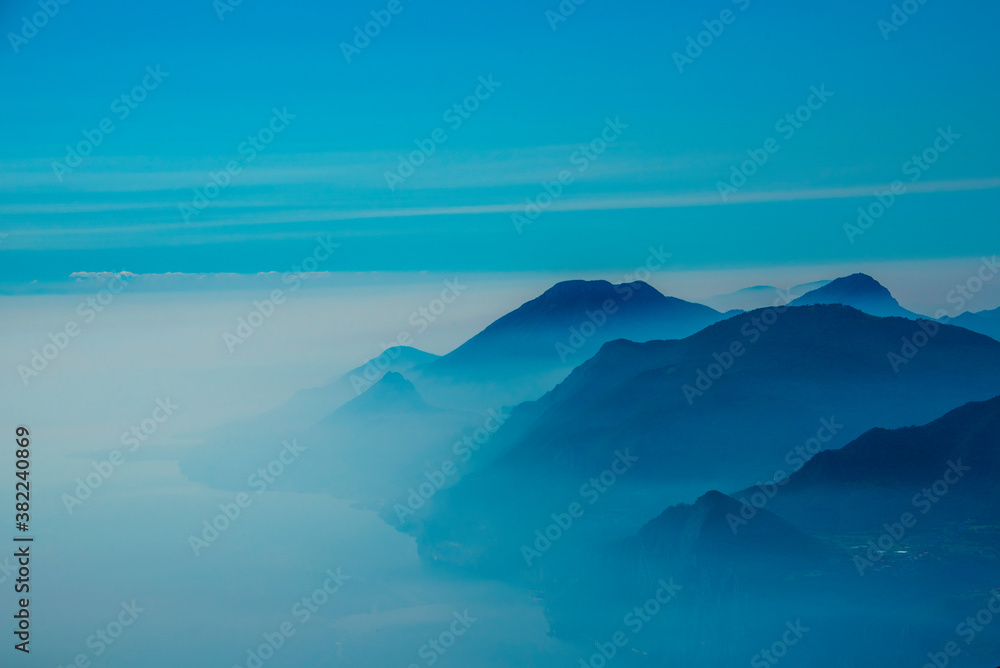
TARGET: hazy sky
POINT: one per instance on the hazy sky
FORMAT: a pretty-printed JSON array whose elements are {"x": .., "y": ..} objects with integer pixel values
[{"x": 220, "y": 80}]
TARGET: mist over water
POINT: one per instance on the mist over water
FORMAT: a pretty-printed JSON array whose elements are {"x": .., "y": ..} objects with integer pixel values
[
  {"x": 309, "y": 562},
  {"x": 129, "y": 539}
]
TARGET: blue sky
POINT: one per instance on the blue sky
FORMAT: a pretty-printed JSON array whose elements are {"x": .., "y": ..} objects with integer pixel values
[{"x": 656, "y": 183}]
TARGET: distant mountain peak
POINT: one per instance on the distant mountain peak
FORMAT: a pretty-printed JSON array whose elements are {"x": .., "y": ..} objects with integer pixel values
[
  {"x": 579, "y": 288},
  {"x": 857, "y": 282},
  {"x": 535, "y": 330},
  {"x": 860, "y": 291},
  {"x": 392, "y": 392}
]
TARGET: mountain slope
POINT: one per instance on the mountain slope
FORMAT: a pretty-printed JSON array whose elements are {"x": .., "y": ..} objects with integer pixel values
[
  {"x": 984, "y": 322},
  {"x": 859, "y": 291},
  {"x": 532, "y": 331},
  {"x": 812, "y": 364},
  {"x": 526, "y": 352},
  {"x": 885, "y": 472}
]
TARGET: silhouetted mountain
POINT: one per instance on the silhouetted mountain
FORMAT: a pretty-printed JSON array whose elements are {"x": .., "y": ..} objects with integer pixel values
[
  {"x": 391, "y": 393},
  {"x": 884, "y": 472},
  {"x": 984, "y": 322},
  {"x": 518, "y": 357},
  {"x": 900, "y": 517},
  {"x": 531, "y": 332},
  {"x": 306, "y": 407},
  {"x": 702, "y": 534},
  {"x": 859, "y": 291},
  {"x": 525, "y": 353},
  {"x": 812, "y": 368},
  {"x": 377, "y": 445},
  {"x": 229, "y": 454}
]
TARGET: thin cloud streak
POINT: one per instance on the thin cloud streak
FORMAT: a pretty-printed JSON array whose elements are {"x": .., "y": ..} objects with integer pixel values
[{"x": 612, "y": 203}]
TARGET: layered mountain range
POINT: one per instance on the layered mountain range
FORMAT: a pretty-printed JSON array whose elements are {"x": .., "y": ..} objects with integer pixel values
[{"x": 760, "y": 458}]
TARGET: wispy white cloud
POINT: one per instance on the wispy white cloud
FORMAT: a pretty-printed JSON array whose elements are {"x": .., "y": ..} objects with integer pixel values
[{"x": 617, "y": 201}]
